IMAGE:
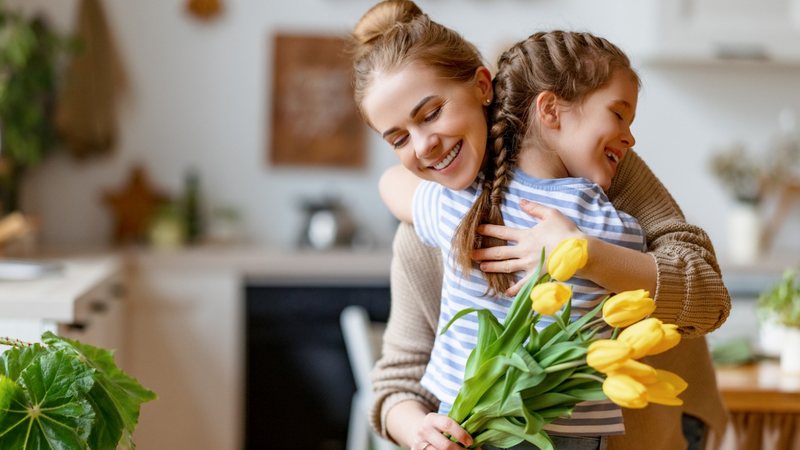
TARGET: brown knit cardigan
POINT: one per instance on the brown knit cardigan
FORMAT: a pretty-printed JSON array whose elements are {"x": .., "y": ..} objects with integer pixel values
[{"x": 689, "y": 293}]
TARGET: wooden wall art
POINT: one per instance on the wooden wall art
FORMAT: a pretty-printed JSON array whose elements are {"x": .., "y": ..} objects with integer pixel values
[{"x": 314, "y": 120}]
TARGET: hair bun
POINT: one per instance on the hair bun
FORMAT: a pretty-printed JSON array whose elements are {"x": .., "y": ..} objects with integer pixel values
[{"x": 382, "y": 17}]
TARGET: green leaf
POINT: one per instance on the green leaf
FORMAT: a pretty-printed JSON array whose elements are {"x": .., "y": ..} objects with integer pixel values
[
  {"x": 476, "y": 386},
  {"x": 48, "y": 412},
  {"x": 587, "y": 394},
  {"x": 548, "y": 384},
  {"x": 16, "y": 359},
  {"x": 116, "y": 397},
  {"x": 550, "y": 414},
  {"x": 561, "y": 352},
  {"x": 8, "y": 390},
  {"x": 458, "y": 315},
  {"x": 551, "y": 399},
  {"x": 488, "y": 330},
  {"x": 514, "y": 431}
]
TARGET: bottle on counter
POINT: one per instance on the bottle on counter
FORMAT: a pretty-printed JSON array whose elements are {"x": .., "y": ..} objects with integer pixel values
[{"x": 192, "y": 208}]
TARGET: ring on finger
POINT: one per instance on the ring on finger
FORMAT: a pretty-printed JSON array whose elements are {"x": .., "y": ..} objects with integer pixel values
[{"x": 424, "y": 445}]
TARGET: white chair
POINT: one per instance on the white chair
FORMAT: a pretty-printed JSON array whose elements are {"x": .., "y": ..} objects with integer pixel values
[{"x": 362, "y": 338}]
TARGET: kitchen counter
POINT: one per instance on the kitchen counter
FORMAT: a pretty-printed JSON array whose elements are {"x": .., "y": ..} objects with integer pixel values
[
  {"x": 52, "y": 297},
  {"x": 257, "y": 264}
]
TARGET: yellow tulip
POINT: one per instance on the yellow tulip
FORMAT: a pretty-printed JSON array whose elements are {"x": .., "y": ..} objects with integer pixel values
[
  {"x": 666, "y": 388},
  {"x": 628, "y": 307},
  {"x": 605, "y": 355},
  {"x": 642, "y": 336},
  {"x": 625, "y": 391},
  {"x": 568, "y": 256},
  {"x": 637, "y": 370},
  {"x": 548, "y": 298},
  {"x": 671, "y": 339}
]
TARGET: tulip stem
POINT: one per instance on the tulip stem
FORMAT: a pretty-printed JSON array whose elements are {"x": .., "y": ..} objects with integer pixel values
[
  {"x": 592, "y": 323},
  {"x": 566, "y": 365},
  {"x": 588, "y": 376}
]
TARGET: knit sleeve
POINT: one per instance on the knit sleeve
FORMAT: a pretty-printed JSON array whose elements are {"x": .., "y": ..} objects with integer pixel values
[
  {"x": 689, "y": 291},
  {"x": 416, "y": 280}
]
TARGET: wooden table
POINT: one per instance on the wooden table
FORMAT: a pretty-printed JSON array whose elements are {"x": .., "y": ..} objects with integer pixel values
[{"x": 764, "y": 403}]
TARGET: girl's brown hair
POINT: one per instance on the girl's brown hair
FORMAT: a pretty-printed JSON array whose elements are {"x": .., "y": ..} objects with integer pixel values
[{"x": 569, "y": 64}]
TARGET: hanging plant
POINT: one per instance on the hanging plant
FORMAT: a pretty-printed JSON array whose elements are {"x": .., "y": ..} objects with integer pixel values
[{"x": 29, "y": 54}]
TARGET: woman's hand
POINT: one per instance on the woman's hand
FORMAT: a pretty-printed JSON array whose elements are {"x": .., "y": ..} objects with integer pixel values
[
  {"x": 432, "y": 431},
  {"x": 553, "y": 227},
  {"x": 414, "y": 427}
]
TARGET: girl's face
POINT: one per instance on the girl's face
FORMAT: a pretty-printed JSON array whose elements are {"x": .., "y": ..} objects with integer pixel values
[
  {"x": 595, "y": 134},
  {"x": 437, "y": 127}
]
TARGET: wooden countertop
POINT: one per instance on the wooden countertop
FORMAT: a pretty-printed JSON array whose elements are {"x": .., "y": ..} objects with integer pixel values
[{"x": 759, "y": 387}]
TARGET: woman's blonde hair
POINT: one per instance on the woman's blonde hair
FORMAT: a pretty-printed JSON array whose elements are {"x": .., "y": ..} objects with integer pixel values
[{"x": 396, "y": 33}]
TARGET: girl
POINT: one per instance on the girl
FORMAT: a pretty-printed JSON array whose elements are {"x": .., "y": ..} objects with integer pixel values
[{"x": 398, "y": 45}]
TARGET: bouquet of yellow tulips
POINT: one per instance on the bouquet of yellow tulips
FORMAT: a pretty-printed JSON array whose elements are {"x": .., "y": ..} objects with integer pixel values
[{"x": 519, "y": 378}]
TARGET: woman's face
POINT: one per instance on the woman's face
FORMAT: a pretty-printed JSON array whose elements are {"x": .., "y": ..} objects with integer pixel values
[{"x": 437, "y": 127}]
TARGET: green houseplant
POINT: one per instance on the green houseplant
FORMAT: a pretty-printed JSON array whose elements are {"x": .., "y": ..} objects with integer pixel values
[
  {"x": 63, "y": 394},
  {"x": 29, "y": 56},
  {"x": 779, "y": 311}
]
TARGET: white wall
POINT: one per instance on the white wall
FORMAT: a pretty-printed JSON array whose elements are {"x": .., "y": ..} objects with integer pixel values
[{"x": 201, "y": 94}]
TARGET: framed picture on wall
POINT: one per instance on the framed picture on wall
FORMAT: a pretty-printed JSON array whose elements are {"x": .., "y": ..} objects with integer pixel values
[{"x": 314, "y": 120}]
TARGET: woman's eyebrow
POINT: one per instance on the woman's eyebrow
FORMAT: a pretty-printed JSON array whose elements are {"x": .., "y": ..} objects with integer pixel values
[{"x": 411, "y": 114}]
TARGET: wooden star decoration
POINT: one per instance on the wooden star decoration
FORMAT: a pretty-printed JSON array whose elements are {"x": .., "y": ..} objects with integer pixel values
[{"x": 133, "y": 207}]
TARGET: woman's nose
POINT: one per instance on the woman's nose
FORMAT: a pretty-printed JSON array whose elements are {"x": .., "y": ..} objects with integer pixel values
[{"x": 424, "y": 144}]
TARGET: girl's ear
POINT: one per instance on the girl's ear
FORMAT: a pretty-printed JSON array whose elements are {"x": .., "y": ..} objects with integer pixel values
[
  {"x": 547, "y": 109},
  {"x": 483, "y": 81}
]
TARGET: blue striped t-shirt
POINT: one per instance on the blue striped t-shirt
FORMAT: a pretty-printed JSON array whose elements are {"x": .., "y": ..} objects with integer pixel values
[{"x": 437, "y": 211}]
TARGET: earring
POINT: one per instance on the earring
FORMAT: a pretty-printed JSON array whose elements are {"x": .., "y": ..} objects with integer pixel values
[{"x": 487, "y": 101}]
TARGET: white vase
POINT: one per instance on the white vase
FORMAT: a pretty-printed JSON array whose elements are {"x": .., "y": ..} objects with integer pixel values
[
  {"x": 790, "y": 352},
  {"x": 744, "y": 233},
  {"x": 770, "y": 336}
]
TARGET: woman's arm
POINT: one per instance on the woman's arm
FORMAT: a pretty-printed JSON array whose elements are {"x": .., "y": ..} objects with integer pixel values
[
  {"x": 689, "y": 290},
  {"x": 402, "y": 407}
]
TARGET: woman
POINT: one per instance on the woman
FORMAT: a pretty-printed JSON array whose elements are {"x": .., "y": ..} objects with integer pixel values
[{"x": 688, "y": 290}]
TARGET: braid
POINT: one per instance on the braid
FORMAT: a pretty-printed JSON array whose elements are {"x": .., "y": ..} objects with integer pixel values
[{"x": 571, "y": 65}]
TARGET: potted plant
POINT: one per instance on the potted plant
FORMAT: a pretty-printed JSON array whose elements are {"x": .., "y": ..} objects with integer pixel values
[{"x": 779, "y": 308}]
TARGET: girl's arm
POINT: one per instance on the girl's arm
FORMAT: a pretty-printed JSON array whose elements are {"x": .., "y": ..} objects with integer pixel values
[{"x": 397, "y": 186}]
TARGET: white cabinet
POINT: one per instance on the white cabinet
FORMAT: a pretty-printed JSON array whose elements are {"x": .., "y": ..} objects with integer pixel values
[
  {"x": 184, "y": 340},
  {"x": 185, "y": 335},
  {"x": 713, "y": 31}
]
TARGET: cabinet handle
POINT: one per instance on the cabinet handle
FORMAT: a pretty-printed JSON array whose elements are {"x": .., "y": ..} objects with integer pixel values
[
  {"x": 118, "y": 291},
  {"x": 98, "y": 306},
  {"x": 76, "y": 326}
]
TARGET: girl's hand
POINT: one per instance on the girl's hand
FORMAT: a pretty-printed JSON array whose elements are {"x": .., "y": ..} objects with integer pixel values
[
  {"x": 553, "y": 227},
  {"x": 431, "y": 434}
]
